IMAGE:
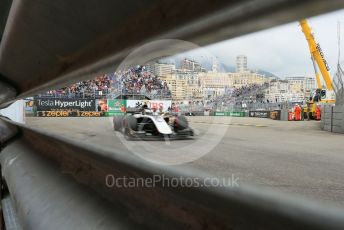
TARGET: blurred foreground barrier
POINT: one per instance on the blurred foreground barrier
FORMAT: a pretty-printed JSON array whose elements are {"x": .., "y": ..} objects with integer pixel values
[
  {"x": 69, "y": 188},
  {"x": 51, "y": 182}
]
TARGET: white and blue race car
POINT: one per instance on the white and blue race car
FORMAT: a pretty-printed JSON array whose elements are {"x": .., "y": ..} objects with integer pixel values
[{"x": 143, "y": 124}]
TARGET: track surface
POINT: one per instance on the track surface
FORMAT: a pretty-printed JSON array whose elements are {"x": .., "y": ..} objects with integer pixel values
[{"x": 293, "y": 157}]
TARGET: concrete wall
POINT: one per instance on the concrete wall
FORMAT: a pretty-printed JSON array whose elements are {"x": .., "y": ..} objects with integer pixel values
[
  {"x": 332, "y": 118},
  {"x": 284, "y": 114}
]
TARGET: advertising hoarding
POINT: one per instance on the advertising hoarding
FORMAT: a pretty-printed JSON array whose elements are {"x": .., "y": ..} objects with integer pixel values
[{"x": 157, "y": 104}]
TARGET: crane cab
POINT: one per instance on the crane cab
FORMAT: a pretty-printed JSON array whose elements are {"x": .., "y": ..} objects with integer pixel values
[{"x": 323, "y": 96}]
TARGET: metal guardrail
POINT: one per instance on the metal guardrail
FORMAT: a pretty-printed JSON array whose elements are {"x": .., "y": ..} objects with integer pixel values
[{"x": 58, "y": 183}]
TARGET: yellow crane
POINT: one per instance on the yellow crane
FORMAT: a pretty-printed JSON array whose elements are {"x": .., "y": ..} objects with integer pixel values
[{"x": 322, "y": 95}]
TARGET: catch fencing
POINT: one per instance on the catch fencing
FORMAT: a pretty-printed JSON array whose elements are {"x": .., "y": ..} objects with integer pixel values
[
  {"x": 333, "y": 116},
  {"x": 338, "y": 85}
]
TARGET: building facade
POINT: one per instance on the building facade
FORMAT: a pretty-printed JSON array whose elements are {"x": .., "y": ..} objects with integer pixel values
[
  {"x": 292, "y": 89},
  {"x": 302, "y": 84},
  {"x": 191, "y": 65},
  {"x": 213, "y": 84},
  {"x": 161, "y": 69},
  {"x": 184, "y": 85},
  {"x": 241, "y": 63},
  {"x": 247, "y": 78}
]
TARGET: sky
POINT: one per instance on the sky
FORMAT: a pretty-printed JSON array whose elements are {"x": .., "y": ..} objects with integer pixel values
[{"x": 283, "y": 50}]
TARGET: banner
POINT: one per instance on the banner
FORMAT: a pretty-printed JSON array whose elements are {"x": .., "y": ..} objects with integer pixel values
[
  {"x": 236, "y": 114},
  {"x": 230, "y": 114},
  {"x": 260, "y": 114},
  {"x": 101, "y": 105},
  {"x": 58, "y": 104},
  {"x": 66, "y": 107},
  {"x": 58, "y": 107},
  {"x": 220, "y": 113},
  {"x": 116, "y": 107},
  {"x": 157, "y": 104},
  {"x": 69, "y": 113},
  {"x": 275, "y": 115}
]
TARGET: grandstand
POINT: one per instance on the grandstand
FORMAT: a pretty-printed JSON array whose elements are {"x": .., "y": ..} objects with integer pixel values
[
  {"x": 243, "y": 98},
  {"x": 135, "y": 82},
  {"x": 251, "y": 97},
  {"x": 138, "y": 83}
]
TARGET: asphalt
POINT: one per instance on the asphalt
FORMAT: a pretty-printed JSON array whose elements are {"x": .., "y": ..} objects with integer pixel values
[{"x": 293, "y": 157}]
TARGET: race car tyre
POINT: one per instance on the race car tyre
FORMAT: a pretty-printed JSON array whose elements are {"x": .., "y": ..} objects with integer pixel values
[
  {"x": 114, "y": 120},
  {"x": 118, "y": 122},
  {"x": 182, "y": 122},
  {"x": 126, "y": 134},
  {"x": 131, "y": 122},
  {"x": 191, "y": 133}
]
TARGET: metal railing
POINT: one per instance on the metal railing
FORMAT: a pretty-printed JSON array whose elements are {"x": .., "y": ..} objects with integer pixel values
[
  {"x": 109, "y": 93},
  {"x": 84, "y": 94}
]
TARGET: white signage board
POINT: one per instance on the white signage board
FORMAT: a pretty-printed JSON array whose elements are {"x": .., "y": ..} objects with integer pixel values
[{"x": 150, "y": 103}]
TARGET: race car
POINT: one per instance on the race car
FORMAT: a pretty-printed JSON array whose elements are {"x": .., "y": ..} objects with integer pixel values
[{"x": 145, "y": 124}]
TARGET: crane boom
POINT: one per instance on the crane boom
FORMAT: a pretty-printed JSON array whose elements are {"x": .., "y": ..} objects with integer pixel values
[
  {"x": 317, "y": 77},
  {"x": 317, "y": 55}
]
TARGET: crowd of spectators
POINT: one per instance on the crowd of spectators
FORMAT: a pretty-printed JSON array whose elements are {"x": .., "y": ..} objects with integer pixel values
[
  {"x": 242, "y": 97},
  {"x": 245, "y": 97},
  {"x": 135, "y": 80},
  {"x": 99, "y": 86},
  {"x": 254, "y": 92},
  {"x": 249, "y": 90},
  {"x": 138, "y": 80}
]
